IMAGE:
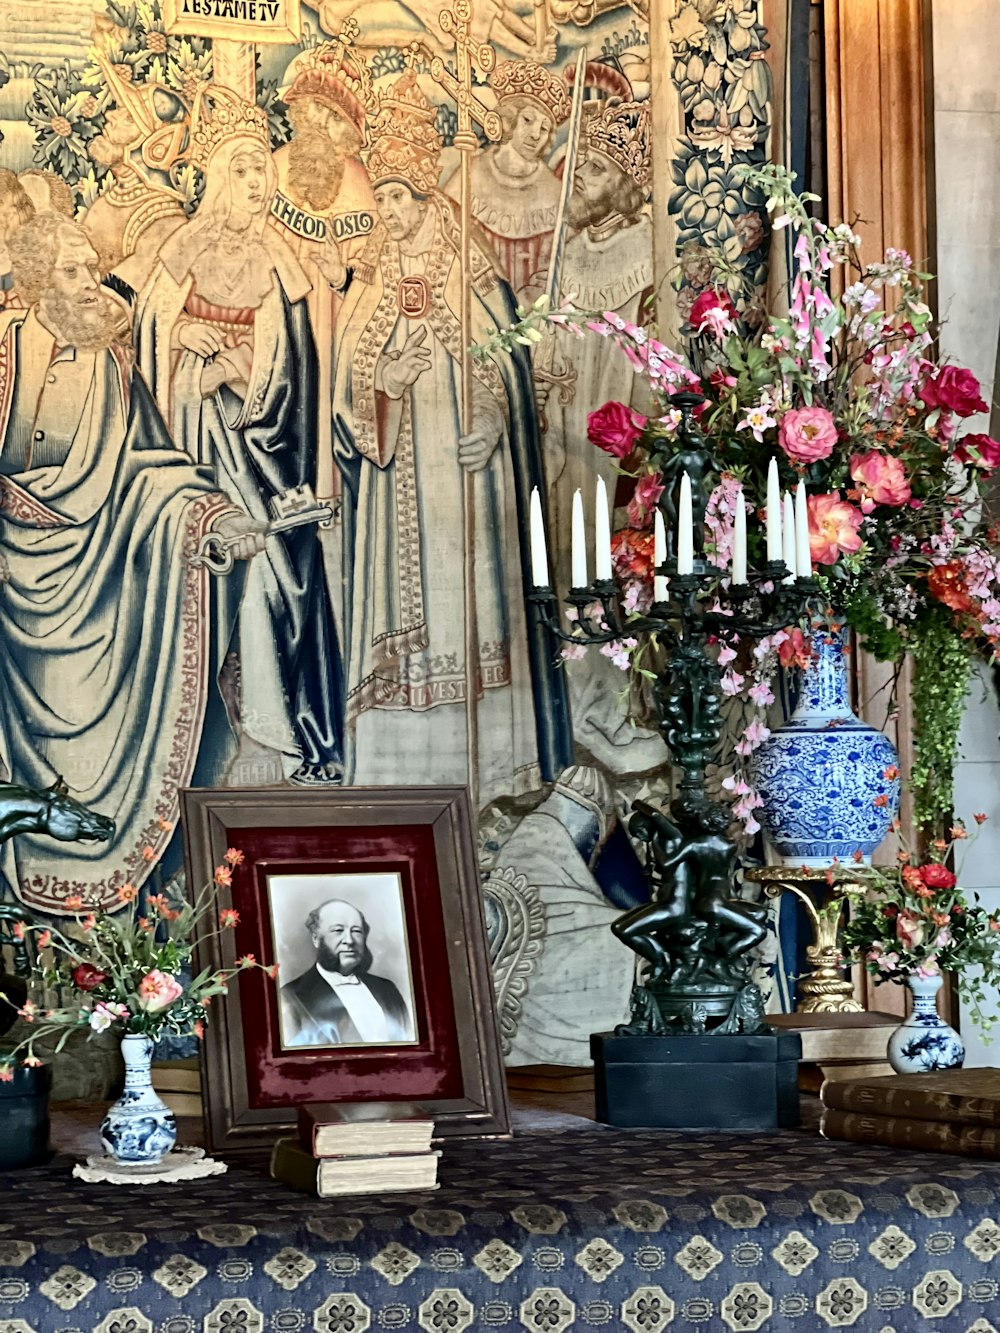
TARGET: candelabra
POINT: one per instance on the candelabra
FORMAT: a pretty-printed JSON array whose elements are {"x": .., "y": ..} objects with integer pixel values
[{"x": 694, "y": 933}]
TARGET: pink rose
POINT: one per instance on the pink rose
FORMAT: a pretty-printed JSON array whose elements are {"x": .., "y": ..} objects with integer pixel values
[
  {"x": 911, "y": 929},
  {"x": 929, "y": 968},
  {"x": 833, "y": 528},
  {"x": 157, "y": 990},
  {"x": 615, "y": 428},
  {"x": 714, "y": 311},
  {"x": 807, "y": 434},
  {"x": 985, "y": 455},
  {"x": 644, "y": 500},
  {"x": 954, "y": 390},
  {"x": 881, "y": 480}
]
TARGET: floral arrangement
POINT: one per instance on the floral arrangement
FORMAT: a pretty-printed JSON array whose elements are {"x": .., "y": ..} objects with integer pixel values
[
  {"x": 128, "y": 970},
  {"x": 847, "y": 391},
  {"x": 916, "y": 920}
]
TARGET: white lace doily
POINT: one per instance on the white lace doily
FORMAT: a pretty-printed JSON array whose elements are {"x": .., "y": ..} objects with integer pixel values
[{"x": 179, "y": 1164}]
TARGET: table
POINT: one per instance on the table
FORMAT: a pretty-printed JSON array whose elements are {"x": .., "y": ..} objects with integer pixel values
[{"x": 569, "y": 1225}]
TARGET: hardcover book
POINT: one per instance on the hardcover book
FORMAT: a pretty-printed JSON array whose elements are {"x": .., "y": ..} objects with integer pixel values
[
  {"x": 329, "y": 1177},
  {"x": 358, "y": 1129},
  {"x": 955, "y": 1096},
  {"x": 906, "y": 1132}
]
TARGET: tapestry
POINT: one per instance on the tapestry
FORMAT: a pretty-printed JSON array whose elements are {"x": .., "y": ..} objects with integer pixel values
[{"x": 262, "y": 520}]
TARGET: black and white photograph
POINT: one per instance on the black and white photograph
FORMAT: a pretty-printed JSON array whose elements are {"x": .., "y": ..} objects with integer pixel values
[{"x": 344, "y": 971}]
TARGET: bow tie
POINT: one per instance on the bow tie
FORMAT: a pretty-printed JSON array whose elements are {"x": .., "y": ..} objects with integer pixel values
[{"x": 337, "y": 982}]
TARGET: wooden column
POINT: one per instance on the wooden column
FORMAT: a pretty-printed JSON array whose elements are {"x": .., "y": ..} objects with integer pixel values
[{"x": 880, "y": 172}]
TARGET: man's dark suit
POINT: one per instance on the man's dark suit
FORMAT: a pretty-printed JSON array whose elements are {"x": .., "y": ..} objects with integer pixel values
[{"x": 320, "y": 1017}]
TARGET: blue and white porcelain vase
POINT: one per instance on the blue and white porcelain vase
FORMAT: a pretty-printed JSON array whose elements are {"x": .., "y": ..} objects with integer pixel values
[
  {"x": 139, "y": 1129},
  {"x": 925, "y": 1041},
  {"x": 829, "y": 782}
]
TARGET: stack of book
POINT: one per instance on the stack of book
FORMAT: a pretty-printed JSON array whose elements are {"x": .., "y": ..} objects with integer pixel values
[
  {"x": 949, "y": 1110},
  {"x": 839, "y": 1046},
  {"x": 178, "y": 1084},
  {"x": 358, "y": 1148}
]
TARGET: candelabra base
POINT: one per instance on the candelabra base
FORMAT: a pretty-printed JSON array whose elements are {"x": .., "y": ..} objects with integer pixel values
[{"x": 692, "y": 1081}]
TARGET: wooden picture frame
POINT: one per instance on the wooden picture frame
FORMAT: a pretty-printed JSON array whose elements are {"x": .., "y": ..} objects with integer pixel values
[{"x": 410, "y": 852}]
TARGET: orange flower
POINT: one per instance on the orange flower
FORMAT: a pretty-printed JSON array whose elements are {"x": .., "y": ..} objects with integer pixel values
[
  {"x": 88, "y": 923},
  {"x": 17, "y": 930},
  {"x": 44, "y": 939},
  {"x": 881, "y": 800},
  {"x": 73, "y": 902},
  {"x": 228, "y": 917},
  {"x": 143, "y": 923},
  {"x": 980, "y": 819},
  {"x": 6, "y": 1073},
  {"x": 858, "y": 856},
  {"x": 199, "y": 1029},
  {"x": 922, "y": 891},
  {"x": 32, "y": 1061},
  {"x": 911, "y": 878},
  {"x": 234, "y": 856},
  {"x": 29, "y": 1011},
  {"x": 940, "y": 844},
  {"x": 940, "y": 918},
  {"x": 272, "y": 971},
  {"x": 945, "y": 582},
  {"x": 149, "y": 854},
  {"x": 248, "y": 960},
  {"x": 128, "y": 893},
  {"x": 223, "y": 876},
  {"x": 833, "y": 528},
  {"x": 958, "y": 832},
  {"x": 205, "y": 1001},
  {"x": 891, "y": 773},
  {"x": 902, "y": 857}
]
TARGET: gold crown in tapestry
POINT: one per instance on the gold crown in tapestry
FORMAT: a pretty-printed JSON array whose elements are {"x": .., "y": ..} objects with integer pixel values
[
  {"x": 620, "y": 132},
  {"x": 523, "y": 78},
  {"x": 220, "y": 115},
  {"x": 405, "y": 144},
  {"x": 333, "y": 75}
]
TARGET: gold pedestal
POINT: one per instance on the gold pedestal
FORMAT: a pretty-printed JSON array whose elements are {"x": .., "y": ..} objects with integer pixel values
[{"x": 825, "y": 990}]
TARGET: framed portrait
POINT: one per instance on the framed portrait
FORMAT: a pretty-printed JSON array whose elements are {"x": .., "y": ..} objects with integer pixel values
[{"x": 368, "y": 901}]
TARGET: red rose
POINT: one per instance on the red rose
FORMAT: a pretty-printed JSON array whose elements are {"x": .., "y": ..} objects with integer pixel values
[
  {"x": 954, "y": 390},
  {"x": 937, "y": 876},
  {"x": 615, "y": 428},
  {"x": 987, "y": 452},
  {"x": 87, "y": 977}
]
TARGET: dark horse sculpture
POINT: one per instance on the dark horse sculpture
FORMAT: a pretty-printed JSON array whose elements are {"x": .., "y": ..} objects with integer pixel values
[{"x": 54, "y": 812}]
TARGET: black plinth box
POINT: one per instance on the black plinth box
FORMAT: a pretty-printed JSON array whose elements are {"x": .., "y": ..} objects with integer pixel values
[{"x": 691, "y": 1081}]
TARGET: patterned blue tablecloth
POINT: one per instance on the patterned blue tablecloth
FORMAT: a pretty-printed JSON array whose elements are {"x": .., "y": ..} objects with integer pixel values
[{"x": 584, "y": 1229}]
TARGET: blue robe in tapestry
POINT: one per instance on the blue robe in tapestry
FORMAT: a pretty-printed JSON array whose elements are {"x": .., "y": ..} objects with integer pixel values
[
  {"x": 259, "y": 444},
  {"x": 112, "y": 641}
]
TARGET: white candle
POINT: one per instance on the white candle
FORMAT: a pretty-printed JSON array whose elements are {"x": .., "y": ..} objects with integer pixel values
[
  {"x": 788, "y": 537},
  {"x": 660, "y": 581},
  {"x": 773, "y": 513},
  {"x": 803, "y": 558},
  {"x": 685, "y": 529},
  {"x": 579, "y": 560},
  {"x": 602, "y": 533},
  {"x": 740, "y": 540},
  {"x": 536, "y": 532}
]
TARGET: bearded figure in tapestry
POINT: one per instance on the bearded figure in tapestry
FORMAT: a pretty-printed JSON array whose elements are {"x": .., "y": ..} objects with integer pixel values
[
  {"x": 109, "y": 675},
  {"x": 404, "y": 455},
  {"x": 223, "y": 334},
  {"x": 324, "y": 208}
]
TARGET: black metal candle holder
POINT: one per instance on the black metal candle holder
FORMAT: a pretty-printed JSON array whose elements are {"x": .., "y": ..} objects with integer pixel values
[{"x": 694, "y": 933}]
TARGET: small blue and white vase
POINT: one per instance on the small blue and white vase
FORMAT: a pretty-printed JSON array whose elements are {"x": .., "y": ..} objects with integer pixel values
[
  {"x": 826, "y": 777},
  {"x": 925, "y": 1041},
  {"x": 139, "y": 1129}
]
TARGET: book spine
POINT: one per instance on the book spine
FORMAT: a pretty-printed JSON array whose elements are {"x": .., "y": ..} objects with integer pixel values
[
  {"x": 291, "y": 1165},
  {"x": 902, "y": 1132},
  {"x": 869, "y": 1099}
]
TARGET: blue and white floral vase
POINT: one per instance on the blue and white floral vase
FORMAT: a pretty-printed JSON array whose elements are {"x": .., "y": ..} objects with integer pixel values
[
  {"x": 925, "y": 1041},
  {"x": 829, "y": 782},
  {"x": 139, "y": 1129}
]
